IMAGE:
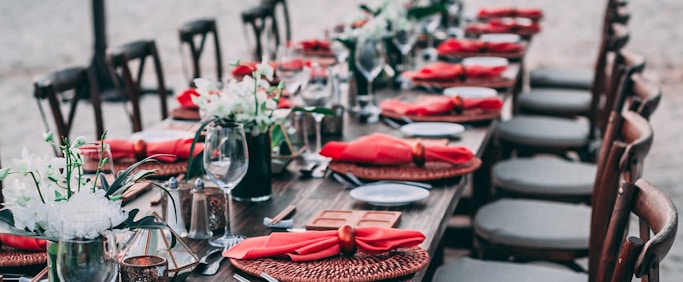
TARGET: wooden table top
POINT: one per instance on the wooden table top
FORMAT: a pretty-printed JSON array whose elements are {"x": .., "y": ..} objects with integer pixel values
[{"x": 430, "y": 216}]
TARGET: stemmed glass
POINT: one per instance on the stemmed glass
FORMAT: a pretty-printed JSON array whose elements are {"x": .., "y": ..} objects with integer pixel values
[
  {"x": 430, "y": 25},
  {"x": 96, "y": 159},
  {"x": 369, "y": 61},
  {"x": 404, "y": 38},
  {"x": 289, "y": 67},
  {"x": 317, "y": 94},
  {"x": 226, "y": 160},
  {"x": 81, "y": 259}
]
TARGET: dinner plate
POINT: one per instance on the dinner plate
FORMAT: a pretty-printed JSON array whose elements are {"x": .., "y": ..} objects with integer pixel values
[
  {"x": 500, "y": 37},
  {"x": 161, "y": 135},
  {"x": 470, "y": 92},
  {"x": 389, "y": 194},
  {"x": 432, "y": 129},
  {"x": 485, "y": 61}
]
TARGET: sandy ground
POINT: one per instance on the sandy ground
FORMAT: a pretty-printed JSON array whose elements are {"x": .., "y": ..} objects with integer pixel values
[{"x": 43, "y": 36}]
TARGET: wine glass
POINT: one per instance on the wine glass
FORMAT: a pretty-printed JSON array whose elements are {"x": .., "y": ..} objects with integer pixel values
[
  {"x": 430, "y": 24},
  {"x": 226, "y": 160},
  {"x": 317, "y": 94},
  {"x": 369, "y": 58},
  {"x": 80, "y": 259},
  {"x": 289, "y": 67},
  {"x": 97, "y": 161},
  {"x": 404, "y": 38}
]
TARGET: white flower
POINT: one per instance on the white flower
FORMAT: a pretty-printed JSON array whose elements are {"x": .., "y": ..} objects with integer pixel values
[{"x": 88, "y": 214}]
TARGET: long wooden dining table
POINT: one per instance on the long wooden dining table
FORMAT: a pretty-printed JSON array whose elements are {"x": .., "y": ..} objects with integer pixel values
[{"x": 310, "y": 195}]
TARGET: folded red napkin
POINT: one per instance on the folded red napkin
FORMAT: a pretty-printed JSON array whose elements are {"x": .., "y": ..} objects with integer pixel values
[
  {"x": 315, "y": 45},
  {"x": 503, "y": 26},
  {"x": 440, "y": 105},
  {"x": 23, "y": 243},
  {"x": 468, "y": 45},
  {"x": 178, "y": 149},
  {"x": 315, "y": 245},
  {"x": 381, "y": 149},
  {"x": 499, "y": 12},
  {"x": 185, "y": 98},
  {"x": 442, "y": 71}
]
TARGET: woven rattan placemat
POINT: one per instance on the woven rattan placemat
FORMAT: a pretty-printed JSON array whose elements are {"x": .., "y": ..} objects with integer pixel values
[
  {"x": 361, "y": 267},
  {"x": 163, "y": 170},
  {"x": 430, "y": 171},
  {"x": 466, "y": 116},
  {"x": 10, "y": 257},
  {"x": 495, "y": 82}
]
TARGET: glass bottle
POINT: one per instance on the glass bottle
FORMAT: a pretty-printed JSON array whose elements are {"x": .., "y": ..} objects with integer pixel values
[{"x": 199, "y": 221}]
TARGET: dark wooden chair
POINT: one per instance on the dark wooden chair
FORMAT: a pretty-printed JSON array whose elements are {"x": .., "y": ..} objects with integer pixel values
[
  {"x": 531, "y": 134},
  {"x": 69, "y": 85},
  {"x": 526, "y": 229},
  {"x": 266, "y": 30},
  {"x": 202, "y": 29},
  {"x": 121, "y": 59},
  {"x": 616, "y": 11},
  {"x": 557, "y": 179},
  {"x": 617, "y": 260}
]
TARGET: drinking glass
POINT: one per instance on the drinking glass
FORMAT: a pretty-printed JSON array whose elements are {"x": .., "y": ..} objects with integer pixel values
[
  {"x": 404, "y": 38},
  {"x": 430, "y": 24},
  {"x": 97, "y": 161},
  {"x": 226, "y": 160},
  {"x": 289, "y": 67},
  {"x": 317, "y": 94},
  {"x": 369, "y": 61},
  {"x": 80, "y": 259}
]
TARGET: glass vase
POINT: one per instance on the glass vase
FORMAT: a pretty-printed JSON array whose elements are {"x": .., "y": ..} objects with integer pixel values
[{"x": 256, "y": 186}]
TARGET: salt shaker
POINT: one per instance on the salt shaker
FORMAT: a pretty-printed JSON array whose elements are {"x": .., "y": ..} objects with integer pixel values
[
  {"x": 173, "y": 215},
  {"x": 199, "y": 221}
]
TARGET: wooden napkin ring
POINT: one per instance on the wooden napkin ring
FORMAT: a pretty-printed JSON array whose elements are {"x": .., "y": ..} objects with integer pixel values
[
  {"x": 347, "y": 240},
  {"x": 462, "y": 72},
  {"x": 458, "y": 104},
  {"x": 482, "y": 46},
  {"x": 418, "y": 152},
  {"x": 140, "y": 149}
]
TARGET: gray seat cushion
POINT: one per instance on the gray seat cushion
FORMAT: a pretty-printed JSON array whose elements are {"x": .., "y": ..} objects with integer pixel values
[
  {"x": 546, "y": 176},
  {"x": 561, "y": 77},
  {"x": 534, "y": 224},
  {"x": 555, "y": 102},
  {"x": 467, "y": 269},
  {"x": 544, "y": 131}
]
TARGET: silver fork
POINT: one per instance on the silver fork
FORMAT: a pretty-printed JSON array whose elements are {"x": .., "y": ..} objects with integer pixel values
[
  {"x": 202, "y": 261},
  {"x": 240, "y": 278}
]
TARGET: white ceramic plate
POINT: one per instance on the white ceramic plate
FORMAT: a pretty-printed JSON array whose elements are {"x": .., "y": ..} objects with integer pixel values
[
  {"x": 470, "y": 92},
  {"x": 485, "y": 61},
  {"x": 432, "y": 129},
  {"x": 500, "y": 37},
  {"x": 161, "y": 135},
  {"x": 389, "y": 194}
]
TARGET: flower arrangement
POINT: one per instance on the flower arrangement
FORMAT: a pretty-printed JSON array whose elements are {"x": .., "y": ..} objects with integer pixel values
[{"x": 47, "y": 191}]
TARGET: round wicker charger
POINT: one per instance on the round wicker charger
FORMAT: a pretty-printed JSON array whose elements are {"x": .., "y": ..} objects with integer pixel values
[
  {"x": 10, "y": 257},
  {"x": 361, "y": 267},
  {"x": 185, "y": 114},
  {"x": 509, "y": 55},
  {"x": 495, "y": 82},
  {"x": 465, "y": 116},
  {"x": 430, "y": 171},
  {"x": 162, "y": 169}
]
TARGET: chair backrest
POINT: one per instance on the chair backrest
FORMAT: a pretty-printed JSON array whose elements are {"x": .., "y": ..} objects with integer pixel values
[
  {"x": 622, "y": 259},
  {"x": 626, "y": 156},
  {"x": 120, "y": 60},
  {"x": 201, "y": 28},
  {"x": 68, "y": 85},
  {"x": 264, "y": 20}
]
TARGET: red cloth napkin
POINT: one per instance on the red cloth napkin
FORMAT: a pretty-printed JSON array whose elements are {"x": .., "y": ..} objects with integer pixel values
[
  {"x": 499, "y": 12},
  {"x": 503, "y": 26},
  {"x": 440, "y": 105},
  {"x": 468, "y": 45},
  {"x": 315, "y": 245},
  {"x": 23, "y": 243},
  {"x": 381, "y": 149},
  {"x": 442, "y": 71},
  {"x": 179, "y": 149},
  {"x": 185, "y": 98},
  {"x": 315, "y": 45}
]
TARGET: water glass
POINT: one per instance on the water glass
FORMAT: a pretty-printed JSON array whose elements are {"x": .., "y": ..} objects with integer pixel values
[
  {"x": 82, "y": 259},
  {"x": 317, "y": 94},
  {"x": 369, "y": 59},
  {"x": 97, "y": 161},
  {"x": 289, "y": 67}
]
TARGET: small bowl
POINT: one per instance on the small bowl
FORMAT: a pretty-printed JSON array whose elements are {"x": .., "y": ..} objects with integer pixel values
[{"x": 470, "y": 92}]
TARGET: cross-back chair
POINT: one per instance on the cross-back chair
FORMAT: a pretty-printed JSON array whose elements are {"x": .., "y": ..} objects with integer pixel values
[
  {"x": 202, "y": 29},
  {"x": 121, "y": 59},
  {"x": 530, "y": 134},
  {"x": 619, "y": 259},
  {"x": 266, "y": 30},
  {"x": 68, "y": 85},
  {"x": 570, "y": 181},
  {"x": 526, "y": 229}
]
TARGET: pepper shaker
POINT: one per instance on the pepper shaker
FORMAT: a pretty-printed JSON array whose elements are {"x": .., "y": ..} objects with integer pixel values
[
  {"x": 199, "y": 221},
  {"x": 173, "y": 212}
]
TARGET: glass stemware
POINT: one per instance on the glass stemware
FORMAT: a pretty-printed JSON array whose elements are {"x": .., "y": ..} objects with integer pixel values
[
  {"x": 404, "y": 38},
  {"x": 430, "y": 24},
  {"x": 97, "y": 159},
  {"x": 81, "y": 259},
  {"x": 289, "y": 67},
  {"x": 317, "y": 94},
  {"x": 226, "y": 160},
  {"x": 369, "y": 61}
]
